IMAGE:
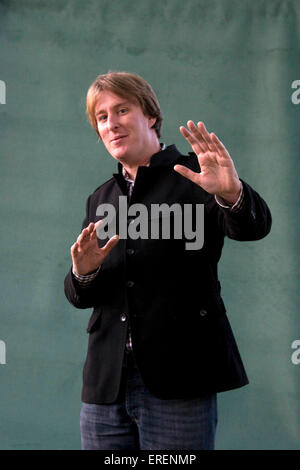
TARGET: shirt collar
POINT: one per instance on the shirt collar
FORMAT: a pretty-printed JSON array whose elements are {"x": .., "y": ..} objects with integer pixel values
[{"x": 126, "y": 174}]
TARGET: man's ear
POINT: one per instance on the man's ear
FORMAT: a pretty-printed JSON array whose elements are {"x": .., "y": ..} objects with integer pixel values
[
  {"x": 152, "y": 121},
  {"x": 99, "y": 137}
]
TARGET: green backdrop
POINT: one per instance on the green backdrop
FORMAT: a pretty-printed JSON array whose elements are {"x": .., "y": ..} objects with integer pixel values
[{"x": 228, "y": 63}]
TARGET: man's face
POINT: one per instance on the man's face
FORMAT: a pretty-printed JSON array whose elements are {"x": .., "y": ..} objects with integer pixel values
[{"x": 124, "y": 129}]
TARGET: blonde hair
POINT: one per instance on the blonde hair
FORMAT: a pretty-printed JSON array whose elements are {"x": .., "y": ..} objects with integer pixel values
[{"x": 127, "y": 85}]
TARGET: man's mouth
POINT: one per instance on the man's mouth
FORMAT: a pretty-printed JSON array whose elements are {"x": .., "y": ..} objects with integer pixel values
[{"x": 118, "y": 139}]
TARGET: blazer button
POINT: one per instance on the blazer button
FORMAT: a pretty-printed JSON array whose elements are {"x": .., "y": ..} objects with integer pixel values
[
  {"x": 203, "y": 312},
  {"x": 130, "y": 283},
  {"x": 130, "y": 251},
  {"x": 123, "y": 317}
]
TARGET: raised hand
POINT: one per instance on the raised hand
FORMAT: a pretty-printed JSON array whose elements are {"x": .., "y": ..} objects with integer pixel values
[
  {"x": 218, "y": 174},
  {"x": 86, "y": 255}
]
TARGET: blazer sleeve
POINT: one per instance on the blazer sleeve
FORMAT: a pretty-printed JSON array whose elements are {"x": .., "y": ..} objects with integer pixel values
[
  {"x": 78, "y": 296},
  {"x": 252, "y": 222}
]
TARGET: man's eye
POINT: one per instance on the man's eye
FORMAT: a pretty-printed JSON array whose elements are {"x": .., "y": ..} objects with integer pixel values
[
  {"x": 123, "y": 111},
  {"x": 102, "y": 118}
]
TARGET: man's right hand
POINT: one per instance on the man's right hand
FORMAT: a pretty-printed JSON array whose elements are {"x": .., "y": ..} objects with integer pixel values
[{"x": 86, "y": 255}]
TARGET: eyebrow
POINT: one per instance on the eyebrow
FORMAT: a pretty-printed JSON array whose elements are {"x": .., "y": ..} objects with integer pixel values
[{"x": 101, "y": 111}]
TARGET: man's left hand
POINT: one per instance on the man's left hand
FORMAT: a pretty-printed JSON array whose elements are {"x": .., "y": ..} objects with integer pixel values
[{"x": 218, "y": 174}]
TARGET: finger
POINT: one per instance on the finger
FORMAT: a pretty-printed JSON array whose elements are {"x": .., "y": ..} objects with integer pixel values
[
  {"x": 220, "y": 147},
  {"x": 83, "y": 236},
  {"x": 110, "y": 245},
  {"x": 98, "y": 223},
  {"x": 187, "y": 173},
  {"x": 74, "y": 249},
  {"x": 93, "y": 234},
  {"x": 215, "y": 149},
  {"x": 91, "y": 230},
  {"x": 194, "y": 143},
  {"x": 198, "y": 135},
  {"x": 90, "y": 227},
  {"x": 98, "y": 226},
  {"x": 206, "y": 136}
]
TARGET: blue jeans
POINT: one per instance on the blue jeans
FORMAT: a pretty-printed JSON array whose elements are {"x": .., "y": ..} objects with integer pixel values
[{"x": 140, "y": 421}]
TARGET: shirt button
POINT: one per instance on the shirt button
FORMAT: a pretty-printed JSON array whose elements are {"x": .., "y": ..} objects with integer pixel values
[
  {"x": 130, "y": 251},
  {"x": 123, "y": 317},
  {"x": 203, "y": 312},
  {"x": 130, "y": 283}
]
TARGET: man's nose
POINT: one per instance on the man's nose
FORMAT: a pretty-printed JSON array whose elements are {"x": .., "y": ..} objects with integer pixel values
[{"x": 112, "y": 122}]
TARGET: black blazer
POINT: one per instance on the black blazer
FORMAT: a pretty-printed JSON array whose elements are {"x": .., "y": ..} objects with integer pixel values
[{"x": 182, "y": 340}]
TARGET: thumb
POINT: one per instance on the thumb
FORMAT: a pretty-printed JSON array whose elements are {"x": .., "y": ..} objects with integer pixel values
[{"x": 187, "y": 173}]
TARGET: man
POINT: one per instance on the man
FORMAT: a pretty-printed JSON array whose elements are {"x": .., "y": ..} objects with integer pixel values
[{"x": 160, "y": 344}]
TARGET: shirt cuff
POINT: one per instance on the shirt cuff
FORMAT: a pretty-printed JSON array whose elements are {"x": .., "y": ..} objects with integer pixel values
[
  {"x": 85, "y": 279},
  {"x": 237, "y": 206}
]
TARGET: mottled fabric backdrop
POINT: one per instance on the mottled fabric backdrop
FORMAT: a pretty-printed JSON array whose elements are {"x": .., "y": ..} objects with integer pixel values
[{"x": 233, "y": 65}]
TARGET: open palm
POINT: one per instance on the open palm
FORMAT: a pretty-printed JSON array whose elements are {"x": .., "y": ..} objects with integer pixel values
[
  {"x": 86, "y": 255},
  {"x": 218, "y": 174}
]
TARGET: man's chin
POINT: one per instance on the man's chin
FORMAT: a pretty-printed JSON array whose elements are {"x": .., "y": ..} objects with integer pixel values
[{"x": 121, "y": 155}]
